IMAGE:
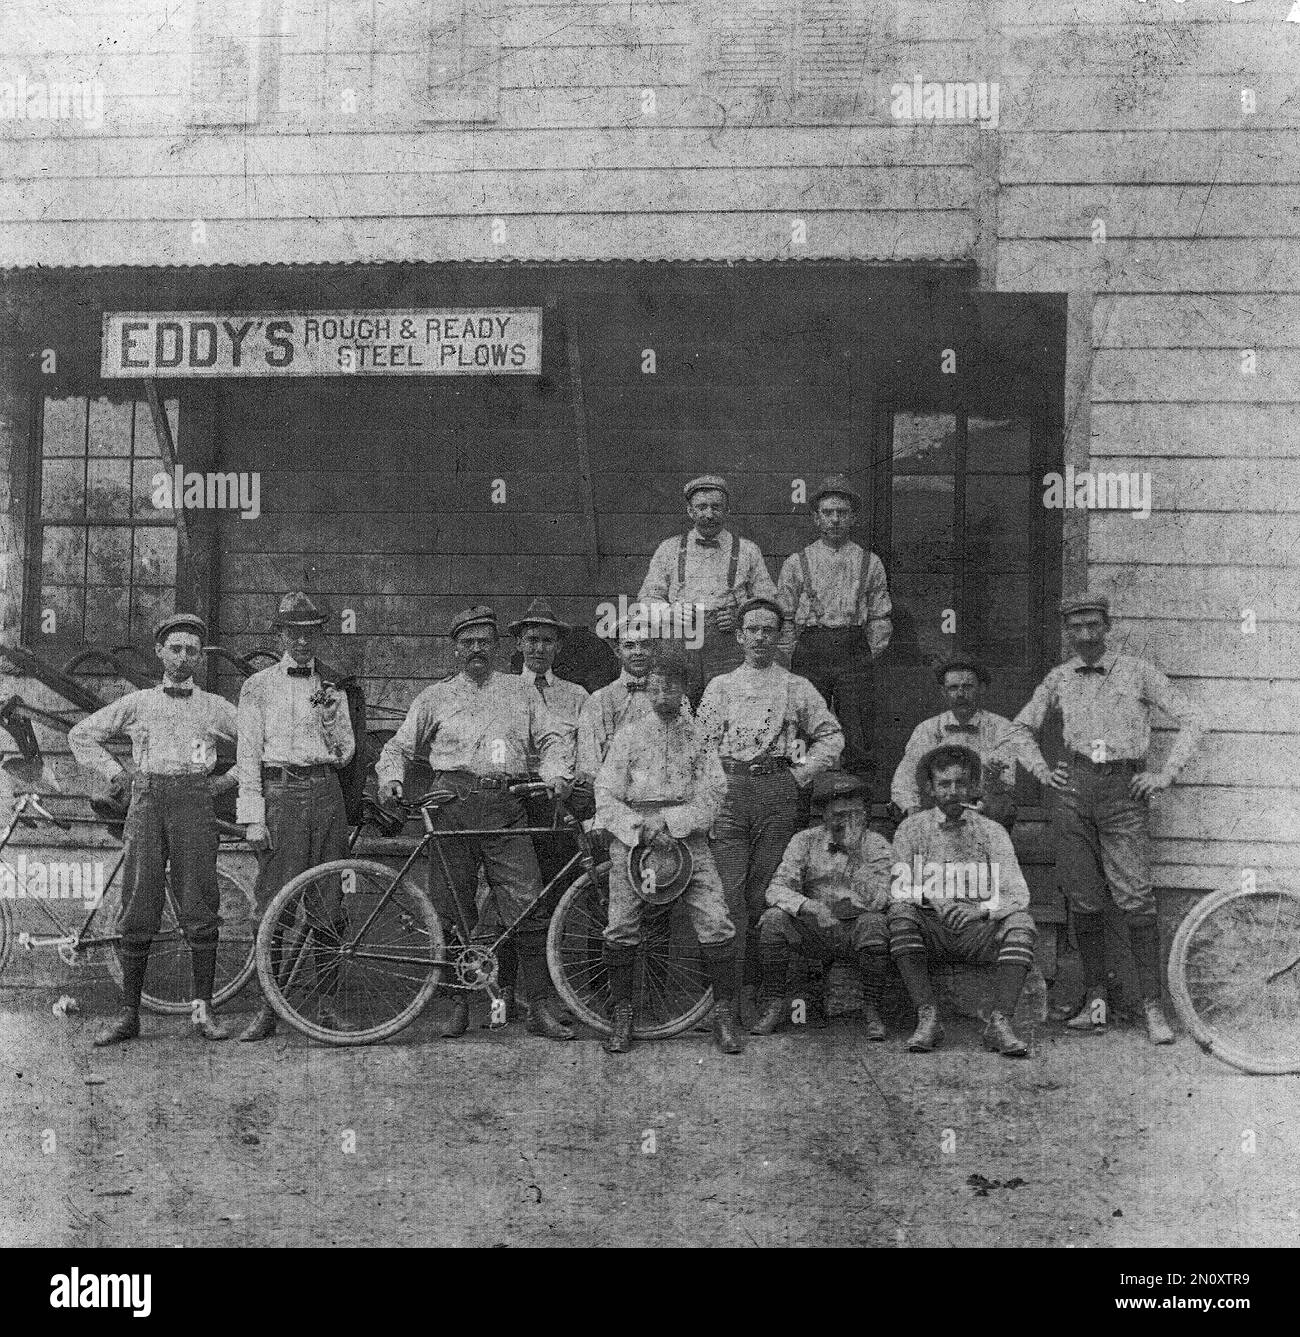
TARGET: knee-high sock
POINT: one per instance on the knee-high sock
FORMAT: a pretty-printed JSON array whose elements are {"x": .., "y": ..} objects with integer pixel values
[
  {"x": 507, "y": 971},
  {"x": 774, "y": 969},
  {"x": 720, "y": 957},
  {"x": 530, "y": 948},
  {"x": 915, "y": 970},
  {"x": 134, "y": 964},
  {"x": 1090, "y": 934},
  {"x": 620, "y": 965},
  {"x": 1144, "y": 938},
  {"x": 203, "y": 969},
  {"x": 1008, "y": 985},
  {"x": 872, "y": 967}
]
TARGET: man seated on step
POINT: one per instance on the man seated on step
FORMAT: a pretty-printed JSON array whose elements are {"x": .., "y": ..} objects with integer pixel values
[
  {"x": 827, "y": 902},
  {"x": 958, "y": 895}
]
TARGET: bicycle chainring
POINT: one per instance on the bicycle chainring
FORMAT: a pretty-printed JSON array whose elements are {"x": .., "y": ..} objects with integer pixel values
[{"x": 476, "y": 967}]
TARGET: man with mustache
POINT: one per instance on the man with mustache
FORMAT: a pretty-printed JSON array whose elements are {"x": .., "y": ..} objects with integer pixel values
[
  {"x": 1103, "y": 789},
  {"x": 477, "y": 731},
  {"x": 827, "y": 902},
  {"x": 707, "y": 573}
]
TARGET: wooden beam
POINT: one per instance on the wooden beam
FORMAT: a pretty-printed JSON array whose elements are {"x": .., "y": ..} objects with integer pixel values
[
  {"x": 574, "y": 355},
  {"x": 187, "y": 594}
]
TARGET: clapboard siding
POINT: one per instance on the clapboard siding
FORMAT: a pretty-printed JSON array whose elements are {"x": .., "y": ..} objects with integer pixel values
[
  {"x": 1134, "y": 212},
  {"x": 1248, "y": 431},
  {"x": 1200, "y": 320}
]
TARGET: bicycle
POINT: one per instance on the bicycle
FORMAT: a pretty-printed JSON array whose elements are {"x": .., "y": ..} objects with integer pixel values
[
  {"x": 377, "y": 960},
  {"x": 167, "y": 981},
  {"x": 1234, "y": 977}
]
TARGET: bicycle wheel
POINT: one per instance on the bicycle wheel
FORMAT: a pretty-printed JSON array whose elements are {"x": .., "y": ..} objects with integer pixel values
[
  {"x": 671, "y": 988},
  {"x": 6, "y": 933},
  {"x": 168, "y": 982},
  {"x": 1234, "y": 975},
  {"x": 348, "y": 955}
]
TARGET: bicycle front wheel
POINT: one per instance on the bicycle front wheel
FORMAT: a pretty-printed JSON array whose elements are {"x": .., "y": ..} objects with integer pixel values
[
  {"x": 347, "y": 954},
  {"x": 1234, "y": 975},
  {"x": 168, "y": 981},
  {"x": 671, "y": 988}
]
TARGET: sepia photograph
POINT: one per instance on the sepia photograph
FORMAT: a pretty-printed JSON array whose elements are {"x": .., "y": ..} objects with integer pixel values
[{"x": 650, "y": 624}]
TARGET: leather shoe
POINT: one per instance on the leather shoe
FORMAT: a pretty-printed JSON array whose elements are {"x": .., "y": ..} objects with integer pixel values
[
  {"x": 542, "y": 1021},
  {"x": 619, "y": 1040},
  {"x": 1091, "y": 1016},
  {"x": 726, "y": 1033},
  {"x": 928, "y": 1033},
  {"x": 209, "y": 1028},
  {"x": 125, "y": 1027},
  {"x": 770, "y": 1019},
  {"x": 1158, "y": 1024},
  {"x": 999, "y": 1037},
  {"x": 875, "y": 1026},
  {"x": 458, "y": 1023},
  {"x": 262, "y": 1027}
]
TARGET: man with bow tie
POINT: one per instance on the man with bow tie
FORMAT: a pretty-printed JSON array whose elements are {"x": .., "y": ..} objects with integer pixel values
[
  {"x": 1000, "y": 746},
  {"x": 295, "y": 735},
  {"x": 624, "y": 700},
  {"x": 174, "y": 730},
  {"x": 1103, "y": 788},
  {"x": 827, "y": 902},
  {"x": 706, "y": 574}
]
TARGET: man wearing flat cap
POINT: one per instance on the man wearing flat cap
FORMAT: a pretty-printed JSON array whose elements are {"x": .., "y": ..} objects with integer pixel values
[
  {"x": 962, "y": 680},
  {"x": 295, "y": 735},
  {"x": 174, "y": 730},
  {"x": 477, "y": 730},
  {"x": 707, "y": 573},
  {"x": 827, "y": 902},
  {"x": 1103, "y": 787},
  {"x": 957, "y": 895},
  {"x": 775, "y": 735},
  {"x": 836, "y": 598}
]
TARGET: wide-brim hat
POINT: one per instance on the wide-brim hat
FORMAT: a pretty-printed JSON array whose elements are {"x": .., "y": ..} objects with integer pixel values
[
  {"x": 837, "y": 784},
  {"x": 972, "y": 759},
  {"x": 539, "y": 614},
  {"x": 672, "y": 866},
  {"x": 298, "y": 609},
  {"x": 191, "y": 622},
  {"x": 836, "y": 485}
]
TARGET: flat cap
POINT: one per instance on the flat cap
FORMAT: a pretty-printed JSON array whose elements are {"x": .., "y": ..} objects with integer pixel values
[
  {"x": 298, "y": 610},
  {"x": 837, "y": 486},
  {"x": 538, "y": 614},
  {"x": 1085, "y": 602},
  {"x": 180, "y": 622},
  {"x": 838, "y": 784},
  {"x": 961, "y": 660},
  {"x": 706, "y": 481},
  {"x": 758, "y": 602},
  {"x": 471, "y": 617},
  {"x": 949, "y": 754}
]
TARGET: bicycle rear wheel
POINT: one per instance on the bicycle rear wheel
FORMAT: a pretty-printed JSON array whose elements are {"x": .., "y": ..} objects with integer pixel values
[
  {"x": 1234, "y": 975},
  {"x": 168, "y": 981},
  {"x": 348, "y": 955},
  {"x": 671, "y": 988}
]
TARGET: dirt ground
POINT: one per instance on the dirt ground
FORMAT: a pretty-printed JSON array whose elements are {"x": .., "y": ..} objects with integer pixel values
[{"x": 498, "y": 1139}]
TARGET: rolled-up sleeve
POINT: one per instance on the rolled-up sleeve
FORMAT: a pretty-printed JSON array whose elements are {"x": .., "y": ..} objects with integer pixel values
[{"x": 86, "y": 738}]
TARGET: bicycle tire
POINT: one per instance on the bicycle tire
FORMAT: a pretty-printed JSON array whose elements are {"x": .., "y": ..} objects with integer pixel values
[
  {"x": 1219, "y": 963},
  {"x": 6, "y": 933},
  {"x": 291, "y": 910},
  {"x": 574, "y": 949},
  {"x": 168, "y": 989}
]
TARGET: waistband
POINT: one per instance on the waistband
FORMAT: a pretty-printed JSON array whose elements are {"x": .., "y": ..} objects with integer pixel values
[
  {"x": 296, "y": 774},
  {"x": 469, "y": 780},
  {"x": 157, "y": 780},
  {"x": 1120, "y": 766},
  {"x": 761, "y": 766}
]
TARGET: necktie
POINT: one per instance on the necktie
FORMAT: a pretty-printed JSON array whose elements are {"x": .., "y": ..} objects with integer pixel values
[
  {"x": 961, "y": 728},
  {"x": 296, "y": 671},
  {"x": 635, "y": 686},
  {"x": 1090, "y": 668},
  {"x": 836, "y": 848},
  {"x": 708, "y": 543},
  {"x": 178, "y": 691},
  {"x": 540, "y": 684}
]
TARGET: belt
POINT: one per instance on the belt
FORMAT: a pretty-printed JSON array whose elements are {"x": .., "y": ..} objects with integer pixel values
[
  {"x": 285, "y": 774},
  {"x": 763, "y": 766},
  {"x": 1117, "y": 767},
  {"x": 483, "y": 781}
]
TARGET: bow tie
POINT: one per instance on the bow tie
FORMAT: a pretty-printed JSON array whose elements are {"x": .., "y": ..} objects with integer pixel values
[
  {"x": 297, "y": 671},
  {"x": 178, "y": 691},
  {"x": 1090, "y": 668},
  {"x": 708, "y": 543},
  {"x": 836, "y": 848},
  {"x": 961, "y": 728},
  {"x": 635, "y": 686}
]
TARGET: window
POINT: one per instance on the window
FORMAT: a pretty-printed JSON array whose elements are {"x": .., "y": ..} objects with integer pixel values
[
  {"x": 104, "y": 559},
  {"x": 966, "y": 542}
]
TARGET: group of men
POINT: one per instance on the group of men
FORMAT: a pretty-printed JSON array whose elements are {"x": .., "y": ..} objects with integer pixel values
[{"x": 703, "y": 753}]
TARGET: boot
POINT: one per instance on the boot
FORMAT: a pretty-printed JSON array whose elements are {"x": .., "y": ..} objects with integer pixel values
[
  {"x": 536, "y": 977},
  {"x": 1157, "y": 1023},
  {"x": 771, "y": 1018},
  {"x": 619, "y": 1040},
  {"x": 999, "y": 1037},
  {"x": 726, "y": 1033},
  {"x": 458, "y": 1023},
  {"x": 124, "y": 1027},
  {"x": 1092, "y": 1014},
  {"x": 872, "y": 968},
  {"x": 773, "y": 976},
  {"x": 543, "y": 1021},
  {"x": 1090, "y": 935},
  {"x": 262, "y": 1026},
  {"x": 928, "y": 1033},
  {"x": 872, "y": 1020},
  {"x": 205, "y": 1025}
]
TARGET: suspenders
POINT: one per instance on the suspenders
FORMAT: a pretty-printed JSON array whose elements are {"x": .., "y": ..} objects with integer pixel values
[
  {"x": 815, "y": 603},
  {"x": 732, "y": 567}
]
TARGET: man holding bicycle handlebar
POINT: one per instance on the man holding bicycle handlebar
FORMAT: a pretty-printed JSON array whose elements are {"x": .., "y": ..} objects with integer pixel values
[
  {"x": 477, "y": 730},
  {"x": 174, "y": 730}
]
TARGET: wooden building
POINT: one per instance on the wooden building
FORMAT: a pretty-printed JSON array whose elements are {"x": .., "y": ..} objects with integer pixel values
[{"x": 761, "y": 243}]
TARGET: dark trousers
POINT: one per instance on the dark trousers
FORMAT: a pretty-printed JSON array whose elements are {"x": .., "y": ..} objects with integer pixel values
[
  {"x": 171, "y": 822},
  {"x": 837, "y": 661},
  {"x": 1101, "y": 838},
  {"x": 307, "y": 825}
]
